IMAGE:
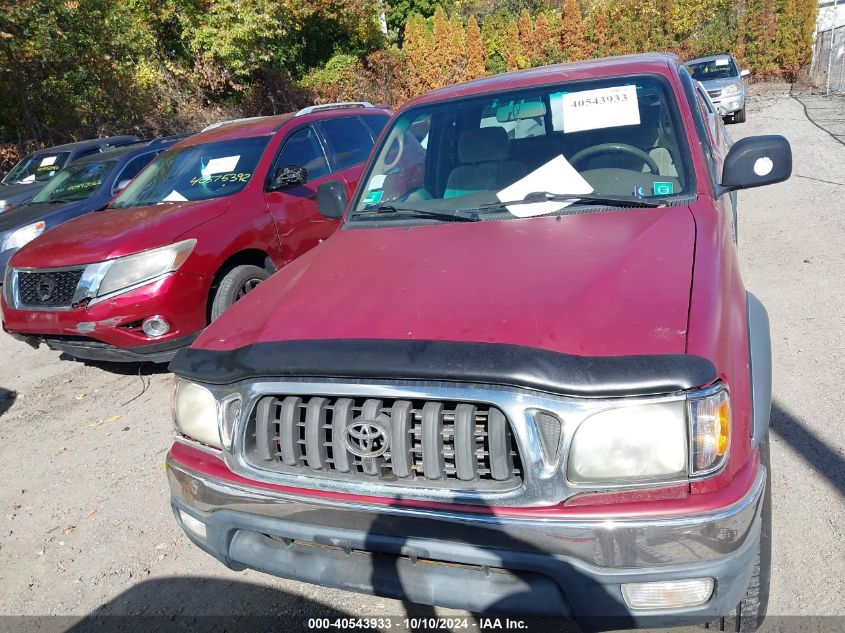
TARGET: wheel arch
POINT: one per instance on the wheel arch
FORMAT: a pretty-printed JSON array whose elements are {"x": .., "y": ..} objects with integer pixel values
[
  {"x": 243, "y": 257},
  {"x": 760, "y": 366}
]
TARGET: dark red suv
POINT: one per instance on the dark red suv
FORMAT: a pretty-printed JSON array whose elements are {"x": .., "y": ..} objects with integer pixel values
[
  {"x": 193, "y": 233},
  {"x": 524, "y": 377}
]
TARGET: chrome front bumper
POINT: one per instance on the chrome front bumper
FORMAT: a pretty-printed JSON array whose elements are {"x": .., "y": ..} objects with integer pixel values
[
  {"x": 615, "y": 544},
  {"x": 477, "y": 562}
]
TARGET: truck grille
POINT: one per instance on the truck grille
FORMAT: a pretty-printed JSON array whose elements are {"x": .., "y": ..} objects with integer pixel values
[
  {"x": 48, "y": 288},
  {"x": 432, "y": 444}
]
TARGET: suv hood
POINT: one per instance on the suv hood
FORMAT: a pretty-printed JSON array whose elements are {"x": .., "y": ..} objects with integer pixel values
[
  {"x": 103, "y": 235},
  {"x": 713, "y": 84},
  {"x": 19, "y": 193},
  {"x": 604, "y": 283},
  {"x": 28, "y": 213}
]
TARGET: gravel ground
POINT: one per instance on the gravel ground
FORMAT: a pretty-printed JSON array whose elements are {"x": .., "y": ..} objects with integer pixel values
[{"x": 86, "y": 525}]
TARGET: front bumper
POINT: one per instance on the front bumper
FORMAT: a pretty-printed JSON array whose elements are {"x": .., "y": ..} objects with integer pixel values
[
  {"x": 729, "y": 105},
  {"x": 110, "y": 330},
  {"x": 563, "y": 566}
]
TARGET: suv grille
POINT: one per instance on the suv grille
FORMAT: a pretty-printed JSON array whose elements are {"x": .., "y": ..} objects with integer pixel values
[
  {"x": 410, "y": 443},
  {"x": 48, "y": 288},
  {"x": 715, "y": 93}
]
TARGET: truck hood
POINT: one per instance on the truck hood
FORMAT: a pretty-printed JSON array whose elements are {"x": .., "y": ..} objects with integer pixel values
[
  {"x": 103, "y": 235},
  {"x": 606, "y": 283}
]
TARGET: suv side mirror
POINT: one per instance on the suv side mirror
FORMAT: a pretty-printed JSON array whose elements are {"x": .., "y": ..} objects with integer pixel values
[
  {"x": 744, "y": 72},
  {"x": 288, "y": 176},
  {"x": 756, "y": 161},
  {"x": 331, "y": 199}
]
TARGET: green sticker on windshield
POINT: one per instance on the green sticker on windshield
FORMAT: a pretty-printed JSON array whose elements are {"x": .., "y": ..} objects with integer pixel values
[
  {"x": 663, "y": 188},
  {"x": 374, "y": 197}
]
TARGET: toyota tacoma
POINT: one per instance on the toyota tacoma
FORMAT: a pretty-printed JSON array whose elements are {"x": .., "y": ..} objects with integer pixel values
[{"x": 523, "y": 377}]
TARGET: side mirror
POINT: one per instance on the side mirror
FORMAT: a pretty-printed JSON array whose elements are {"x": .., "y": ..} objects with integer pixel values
[
  {"x": 288, "y": 176},
  {"x": 756, "y": 161},
  {"x": 123, "y": 184},
  {"x": 744, "y": 73},
  {"x": 331, "y": 199}
]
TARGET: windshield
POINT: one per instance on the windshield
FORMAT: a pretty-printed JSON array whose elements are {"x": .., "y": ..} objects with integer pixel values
[
  {"x": 611, "y": 140},
  {"x": 197, "y": 172},
  {"x": 38, "y": 167},
  {"x": 77, "y": 182},
  {"x": 722, "y": 68}
]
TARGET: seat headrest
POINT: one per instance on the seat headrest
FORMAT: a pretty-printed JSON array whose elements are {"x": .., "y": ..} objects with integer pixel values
[{"x": 484, "y": 144}]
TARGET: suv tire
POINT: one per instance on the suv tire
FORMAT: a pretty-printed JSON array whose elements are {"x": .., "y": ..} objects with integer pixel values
[
  {"x": 749, "y": 614},
  {"x": 739, "y": 116},
  {"x": 235, "y": 285}
]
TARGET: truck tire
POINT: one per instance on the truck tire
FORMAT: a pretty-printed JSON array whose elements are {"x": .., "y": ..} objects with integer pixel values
[
  {"x": 739, "y": 117},
  {"x": 748, "y": 615},
  {"x": 235, "y": 285}
]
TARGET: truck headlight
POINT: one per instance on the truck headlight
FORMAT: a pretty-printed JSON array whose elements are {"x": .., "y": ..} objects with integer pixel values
[
  {"x": 195, "y": 412},
  {"x": 630, "y": 444},
  {"x": 126, "y": 272},
  {"x": 730, "y": 89},
  {"x": 661, "y": 441},
  {"x": 24, "y": 235},
  {"x": 710, "y": 424}
]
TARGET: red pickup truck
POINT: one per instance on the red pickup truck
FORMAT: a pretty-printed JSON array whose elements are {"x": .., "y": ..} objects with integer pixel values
[
  {"x": 200, "y": 227},
  {"x": 524, "y": 376}
]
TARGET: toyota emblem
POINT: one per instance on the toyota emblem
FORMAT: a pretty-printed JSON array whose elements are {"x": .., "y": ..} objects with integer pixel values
[
  {"x": 45, "y": 288},
  {"x": 367, "y": 438}
]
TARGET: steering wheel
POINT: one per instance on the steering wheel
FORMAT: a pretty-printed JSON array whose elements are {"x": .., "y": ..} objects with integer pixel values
[{"x": 607, "y": 148}]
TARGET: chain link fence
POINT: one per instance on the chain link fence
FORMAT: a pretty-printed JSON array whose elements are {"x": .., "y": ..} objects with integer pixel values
[{"x": 828, "y": 67}]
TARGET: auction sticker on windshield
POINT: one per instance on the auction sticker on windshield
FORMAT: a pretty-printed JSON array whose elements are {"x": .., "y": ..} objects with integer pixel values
[
  {"x": 601, "y": 108},
  {"x": 220, "y": 165}
]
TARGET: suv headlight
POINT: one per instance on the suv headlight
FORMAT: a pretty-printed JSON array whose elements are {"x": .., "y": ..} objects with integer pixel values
[
  {"x": 651, "y": 442},
  {"x": 127, "y": 272},
  {"x": 24, "y": 235},
  {"x": 195, "y": 412},
  {"x": 730, "y": 89}
]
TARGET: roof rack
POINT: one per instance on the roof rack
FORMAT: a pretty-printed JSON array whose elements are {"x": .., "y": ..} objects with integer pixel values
[
  {"x": 219, "y": 123},
  {"x": 333, "y": 106}
]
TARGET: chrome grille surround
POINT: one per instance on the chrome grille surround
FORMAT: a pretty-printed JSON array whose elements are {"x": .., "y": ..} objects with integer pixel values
[
  {"x": 543, "y": 480},
  {"x": 423, "y": 443}
]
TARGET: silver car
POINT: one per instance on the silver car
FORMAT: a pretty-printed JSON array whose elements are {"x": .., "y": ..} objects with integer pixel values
[{"x": 723, "y": 80}]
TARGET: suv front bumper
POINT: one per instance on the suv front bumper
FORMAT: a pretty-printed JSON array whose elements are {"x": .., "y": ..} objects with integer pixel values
[{"x": 515, "y": 565}]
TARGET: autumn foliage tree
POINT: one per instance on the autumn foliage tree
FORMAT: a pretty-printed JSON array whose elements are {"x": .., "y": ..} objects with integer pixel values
[
  {"x": 573, "y": 40},
  {"x": 475, "y": 50}
]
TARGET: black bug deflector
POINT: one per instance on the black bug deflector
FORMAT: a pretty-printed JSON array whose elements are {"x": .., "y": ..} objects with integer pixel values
[{"x": 481, "y": 363}]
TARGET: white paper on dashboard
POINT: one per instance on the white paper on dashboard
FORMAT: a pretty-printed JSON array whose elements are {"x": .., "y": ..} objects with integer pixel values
[
  {"x": 556, "y": 176},
  {"x": 28, "y": 179},
  {"x": 221, "y": 165},
  {"x": 174, "y": 196},
  {"x": 377, "y": 181},
  {"x": 601, "y": 108},
  {"x": 723, "y": 62},
  {"x": 49, "y": 160}
]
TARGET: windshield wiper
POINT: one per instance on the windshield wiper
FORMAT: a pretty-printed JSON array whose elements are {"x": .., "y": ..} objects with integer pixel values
[
  {"x": 446, "y": 216},
  {"x": 546, "y": 196}
]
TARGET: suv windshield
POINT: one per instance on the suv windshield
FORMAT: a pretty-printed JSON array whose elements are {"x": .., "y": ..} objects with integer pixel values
[
  {"x": 77, "y": 182},
  {"x": 197, "y": 172},
  {"x": 722, "y": 68},
  {"x": 38, "y": 167},
  {"x": 614, "y": 141}
]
